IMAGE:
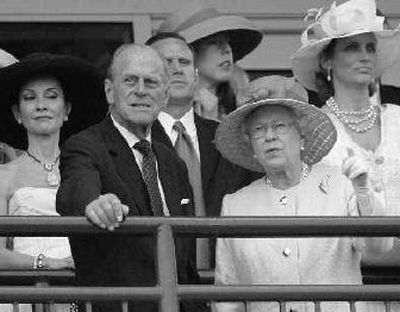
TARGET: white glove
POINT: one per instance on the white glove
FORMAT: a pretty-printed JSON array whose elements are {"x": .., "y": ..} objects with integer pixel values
[{"x": 356, "y": 170}]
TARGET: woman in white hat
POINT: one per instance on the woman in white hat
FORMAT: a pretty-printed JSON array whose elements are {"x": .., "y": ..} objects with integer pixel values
[
  {"x": 39, "y": 95},
  {"x": 285, "y": 137},
  {"x": 218, "y": 41},
  {"x": 342, "y": 53}
]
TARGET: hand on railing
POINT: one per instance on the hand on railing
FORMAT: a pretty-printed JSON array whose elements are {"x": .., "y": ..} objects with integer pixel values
[
  {"x": 106, "y": 212},
  {"x": 58, "y": 263}
]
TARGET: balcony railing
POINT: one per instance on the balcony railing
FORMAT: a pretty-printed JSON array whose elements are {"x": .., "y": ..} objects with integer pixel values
[{"x": 168, "y": 293}]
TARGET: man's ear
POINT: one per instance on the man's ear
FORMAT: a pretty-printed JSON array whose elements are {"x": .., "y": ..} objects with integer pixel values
[{"x": 109, "y": 91}]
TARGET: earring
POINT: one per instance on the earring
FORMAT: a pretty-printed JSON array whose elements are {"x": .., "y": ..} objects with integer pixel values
[
  {"x": 302, "y": 148},
  {"x": 66, "y": 118},
  {"x": 328, "y": 77},
  {"x": 19, "y": 121}
]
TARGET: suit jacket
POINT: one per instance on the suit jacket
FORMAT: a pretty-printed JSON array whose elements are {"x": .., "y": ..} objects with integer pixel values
[
  {"x": 97, "y": 161},
  {"x": 219, "y": 176}
]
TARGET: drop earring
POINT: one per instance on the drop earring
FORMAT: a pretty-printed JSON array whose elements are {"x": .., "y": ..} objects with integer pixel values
[{"x": 328, "y": 76}]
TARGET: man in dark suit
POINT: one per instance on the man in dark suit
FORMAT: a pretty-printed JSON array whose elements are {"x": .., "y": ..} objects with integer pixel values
[
  {"x": 217, "y": 176},
  {"x": 114, "y": 169}
]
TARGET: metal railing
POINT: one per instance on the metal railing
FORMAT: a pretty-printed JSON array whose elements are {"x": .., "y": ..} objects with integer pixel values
[{"x": 168, "y": 293}]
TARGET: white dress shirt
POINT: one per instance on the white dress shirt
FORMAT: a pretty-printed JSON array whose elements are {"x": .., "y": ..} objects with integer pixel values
[
  {"x": 132, "y": 139},
  {"x": 167, "y": 121}
]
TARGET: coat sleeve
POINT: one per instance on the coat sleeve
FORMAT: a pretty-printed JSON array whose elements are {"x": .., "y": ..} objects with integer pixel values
[{"x": 80, "y": 177}]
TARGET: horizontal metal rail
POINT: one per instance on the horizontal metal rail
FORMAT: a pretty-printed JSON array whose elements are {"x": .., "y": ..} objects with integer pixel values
[
  {"x": 206, "y": 227},
  {"x": 168, "y": 292},
  {"x": 215, "y": 293}
]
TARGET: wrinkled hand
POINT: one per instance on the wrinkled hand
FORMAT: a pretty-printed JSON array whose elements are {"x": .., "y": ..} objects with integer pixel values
[
  {"x": 206, "y": 104},
  {"x": 107, "y": 212},
  {"x": 356, "y": 170}
]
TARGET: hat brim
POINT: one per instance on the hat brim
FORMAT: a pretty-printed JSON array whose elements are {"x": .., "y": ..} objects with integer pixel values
[
  {"x": 305, "y": 62},
  {"x": 243, "y": 36},
  {"x": 81, "y": 83},
  {"x": 318, "y": 130}
]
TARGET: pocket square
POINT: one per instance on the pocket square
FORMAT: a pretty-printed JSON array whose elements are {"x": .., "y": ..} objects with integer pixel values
[{"x": 185, "y": 201}]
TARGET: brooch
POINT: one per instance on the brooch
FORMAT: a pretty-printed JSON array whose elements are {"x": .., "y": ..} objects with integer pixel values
[{"x": 324, "y": 185}]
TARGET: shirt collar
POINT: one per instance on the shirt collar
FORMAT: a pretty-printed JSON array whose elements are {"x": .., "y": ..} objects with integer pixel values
[
  {"x": 167, "y": 121},
  {"x": 129, "y": 137}
]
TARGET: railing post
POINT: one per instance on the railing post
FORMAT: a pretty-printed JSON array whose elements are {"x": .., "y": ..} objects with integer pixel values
[{"x": 166, "y": 269}]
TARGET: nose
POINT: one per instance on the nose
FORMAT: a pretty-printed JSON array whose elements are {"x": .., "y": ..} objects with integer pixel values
[
  {"x": 140, "y": 87},
  {"x": 41, "y": 104},
  {"x": 270, "y": 134},
  {"x": 226, "y": 48},
  {"x": 175, "y": 68}
]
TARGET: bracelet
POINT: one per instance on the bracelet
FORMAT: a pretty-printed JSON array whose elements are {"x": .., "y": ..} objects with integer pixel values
[{"x": 38, "y": 262}]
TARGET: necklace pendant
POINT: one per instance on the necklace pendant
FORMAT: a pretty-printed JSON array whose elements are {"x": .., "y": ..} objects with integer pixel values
[
  {"x": 48, "y": 167},
  {"x": 52, "y": 179}
]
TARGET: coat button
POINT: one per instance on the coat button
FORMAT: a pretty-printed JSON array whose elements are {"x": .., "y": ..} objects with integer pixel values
[
  {"x": 379, "y": 160},
  {"x": 287, "y": 252}
]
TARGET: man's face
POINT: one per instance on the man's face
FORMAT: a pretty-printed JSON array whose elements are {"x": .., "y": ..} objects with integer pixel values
[
  {"x": 138, "y": 90},
  {"x": 180, "y": 63}
]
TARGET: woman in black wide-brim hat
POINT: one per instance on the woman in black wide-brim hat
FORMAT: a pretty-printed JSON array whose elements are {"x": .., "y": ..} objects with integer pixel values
[{"x": 38, "y": 96}]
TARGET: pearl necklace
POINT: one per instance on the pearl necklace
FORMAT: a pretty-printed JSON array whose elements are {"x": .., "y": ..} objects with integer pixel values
[
  {"x": 357, "y": 121},
  {"x": 52, "y": 178},
  {"x": 305, "y": 170}
]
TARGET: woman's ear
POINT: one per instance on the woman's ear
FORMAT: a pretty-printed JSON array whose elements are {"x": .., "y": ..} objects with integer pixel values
[
  {"x": 68, "y": 108},
  {"x": 16, "y": 113}
]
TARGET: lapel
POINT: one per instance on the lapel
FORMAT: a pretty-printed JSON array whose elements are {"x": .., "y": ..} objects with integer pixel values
[
  {"x": 126, "y": 166},
  {"x": 168, "y": 177},
  {"x": 208, "y": 153},
  {"x": 158, "y": 133}
]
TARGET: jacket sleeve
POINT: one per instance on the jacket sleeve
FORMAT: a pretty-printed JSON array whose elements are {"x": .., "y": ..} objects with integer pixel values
[{"x": 80, "y": 177}]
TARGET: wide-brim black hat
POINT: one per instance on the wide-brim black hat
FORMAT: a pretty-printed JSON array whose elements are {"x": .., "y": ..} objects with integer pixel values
[{"x": 81, "y": 83}]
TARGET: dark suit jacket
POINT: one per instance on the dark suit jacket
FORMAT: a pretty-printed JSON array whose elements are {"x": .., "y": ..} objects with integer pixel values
[
  {"x": 219, "y": 176},
  {"x": 98, "y": 161}
]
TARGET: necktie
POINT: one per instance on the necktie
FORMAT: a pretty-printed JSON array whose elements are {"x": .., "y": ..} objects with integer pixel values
[
  {"x": 187, "y": 153},
  {"x": 149, "y": 171}
]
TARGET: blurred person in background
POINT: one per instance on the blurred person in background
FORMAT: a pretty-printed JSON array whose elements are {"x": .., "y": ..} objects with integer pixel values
[{"x": 218, "y": 41}]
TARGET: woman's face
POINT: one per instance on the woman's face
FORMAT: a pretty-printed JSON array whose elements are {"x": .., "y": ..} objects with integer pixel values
[
  {"x": 354, "y": 59},
  {"x": 41, "y": 108},
  {"x": 214, "y": 58},
  {"x": 274, "y": 137}
]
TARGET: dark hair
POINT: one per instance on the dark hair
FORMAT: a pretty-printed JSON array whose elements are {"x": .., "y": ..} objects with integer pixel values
[
  {"x": 164, "y": 35},
  {"x": 168, "y": 35},
  {"x": 325, "y": 87}
]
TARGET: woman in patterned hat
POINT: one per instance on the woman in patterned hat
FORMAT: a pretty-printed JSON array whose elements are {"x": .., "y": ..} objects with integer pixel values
[
  {"x": 39, "y": 95},
  {"x": 278, "y": 133},
  {"x": 342, "y": 52},
  {"x": 218, "y": 41}
]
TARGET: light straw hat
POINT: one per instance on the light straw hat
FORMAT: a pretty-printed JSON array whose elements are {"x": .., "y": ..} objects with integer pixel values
[
  {"x": 318, "y": 130},
  {"x": 351, "y": 18},
  {"x": 196, "y": 21}
]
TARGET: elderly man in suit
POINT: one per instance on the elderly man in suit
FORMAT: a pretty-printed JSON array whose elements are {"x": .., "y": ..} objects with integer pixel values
[
  {"x": 115, "y": 169},
  {"x": 178, "y": 126}
]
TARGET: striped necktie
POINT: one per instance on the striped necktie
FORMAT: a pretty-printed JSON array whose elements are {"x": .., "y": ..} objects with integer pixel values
[{"x": 149, "y": 171}]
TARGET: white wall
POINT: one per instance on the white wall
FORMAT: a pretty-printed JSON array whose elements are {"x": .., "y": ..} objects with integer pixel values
[{"x": 280, "y": 20}]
